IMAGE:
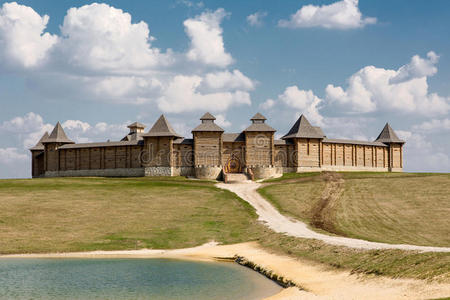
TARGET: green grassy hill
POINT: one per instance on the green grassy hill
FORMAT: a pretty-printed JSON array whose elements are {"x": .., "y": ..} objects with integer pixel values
[
  {"x": 382, "y": 207},
  {"x": 79, "y": 214}
]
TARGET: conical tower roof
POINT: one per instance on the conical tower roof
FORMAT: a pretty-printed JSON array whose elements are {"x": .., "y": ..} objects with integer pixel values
[
  {"x": 207, "y": 116},
  {"x": 258, "y": 124},
  {"x": 387, "y": 135},
  {"x": 303, "y": 129},
  {"x": 208, "y": 124},
  {"x": 136, "y": 125},
  {"x": 258, "y": 116},
  {"x": 58, "y": 136},
  {"x": 39, "y": 145},
  {"x": 162, "y": 127}
]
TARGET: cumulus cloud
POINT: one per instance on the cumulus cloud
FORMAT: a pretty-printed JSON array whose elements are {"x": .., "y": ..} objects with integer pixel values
[
  {"x": 256, "y": 18},
  {"x": 268, "y": 104},
  {"x": 28, "y": 128},
  {"x": 182, "y": 95},
  {"x": 11, "y": 156},
  {"x": 343, "y": 14},
  {"x": 417, "y": 68},
  {"x": 435, "y": 125},
  {"x": 222, "y": 121},
  {"x": 371, "y": 89},
  {"x": 226, "y": 80},
  {"x": 303, "y": 100},
  {"x": 101, "y": 37},
  {"x": 22, "y": 37},
  {"x": 421, "y": 154},
  {"x": 207, "y": 45},
  {"x": 102, "y": 55}
]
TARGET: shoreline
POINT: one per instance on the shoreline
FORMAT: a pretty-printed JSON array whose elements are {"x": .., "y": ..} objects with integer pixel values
[{"x": 302, "y": 278}]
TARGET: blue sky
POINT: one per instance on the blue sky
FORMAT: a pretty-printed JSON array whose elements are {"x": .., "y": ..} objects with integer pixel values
[{"x": 349, "y": 66}]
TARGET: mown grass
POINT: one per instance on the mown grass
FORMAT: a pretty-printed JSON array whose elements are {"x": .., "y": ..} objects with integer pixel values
[
  {"x": 410, "y": 208},
  {"x": 76, "y": 214},
  {"x": 79, "y": 214}
]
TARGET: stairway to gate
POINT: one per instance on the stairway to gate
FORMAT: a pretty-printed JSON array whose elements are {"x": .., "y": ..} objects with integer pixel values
[{"x": 235, "y": 177}]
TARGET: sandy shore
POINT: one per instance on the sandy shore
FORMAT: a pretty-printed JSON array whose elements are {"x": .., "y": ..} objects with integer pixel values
[{"x": 314, "y": 281}]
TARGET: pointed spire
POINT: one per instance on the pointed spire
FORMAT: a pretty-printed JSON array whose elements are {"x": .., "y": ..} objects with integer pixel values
[
  {"x": 258, "y": 124},
  {"x": 58, "y": 136},
  {"x": 207, "y": 116},
  {"x": 162, "y": 127},
  {"x": 258, "y": 116},
  {"x": 303, "y": 129},
  {"x": 39, "y": 145},
  {"x": 136, "y": 125},
  {"x": 208, "y": 124},
  {"x": 387, "y": 135}
]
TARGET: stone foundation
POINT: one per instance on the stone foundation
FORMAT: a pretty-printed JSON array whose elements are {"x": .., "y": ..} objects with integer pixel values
[
  {"x": 183, "y": 171},
  {"x": 353, "y": 169},
  {"x": 120, "y": 172},
  {"x": 208, "y": 172},
  {"x": 264, "y": 172},
  {"x": 158, "y": 171}
]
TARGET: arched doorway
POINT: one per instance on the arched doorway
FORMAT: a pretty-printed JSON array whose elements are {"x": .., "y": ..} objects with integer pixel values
[{"x": 233, "y": 165}]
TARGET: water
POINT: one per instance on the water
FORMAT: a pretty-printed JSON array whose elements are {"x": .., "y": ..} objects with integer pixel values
[{"x": 129, "y": 279}]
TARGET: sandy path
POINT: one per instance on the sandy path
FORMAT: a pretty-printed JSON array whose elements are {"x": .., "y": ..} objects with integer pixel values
[
  {"x": 279, "y": 223},
  {"x": 316, "y": 281}
]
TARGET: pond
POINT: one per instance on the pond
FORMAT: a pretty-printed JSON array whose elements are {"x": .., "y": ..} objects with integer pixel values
[{"x": 130, "y": 279}]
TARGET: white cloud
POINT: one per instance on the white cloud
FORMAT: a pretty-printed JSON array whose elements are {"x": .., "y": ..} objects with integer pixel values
[
  {"x": 22, "y": 37},
  {"x": 182, "y": 95},
  {"x": 11, "y": 156},
  {"x": 102, "y": 38},
  {"x": 102, "y": 55},
  {"x": 255, "y": 19},
  {"x": 343, "y": 14},
  {"x": 227, "y": 80},
  {"x": 417, "y": 68},
  {"x": 304, "y": 101},
  {"x": 268, "y": 104},
  {"x": 222, "y": 121},
  {"x": 370, "y": 89},
  {"x": 434, "y": 125},
  {"x": 421, "y": 155},
  {"x": 188, "y": 3},
  {"x": 207, "y": 45},
  {"x": 28, "y": 129},
  {"x": 83, "y": 132}
]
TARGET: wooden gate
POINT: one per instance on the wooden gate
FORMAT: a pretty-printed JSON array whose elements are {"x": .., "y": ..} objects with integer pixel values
[{"x": 233, "y": 165}]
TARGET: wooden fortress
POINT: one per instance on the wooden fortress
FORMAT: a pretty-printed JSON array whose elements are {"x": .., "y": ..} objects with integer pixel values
[{"x": 212, "y": 153}]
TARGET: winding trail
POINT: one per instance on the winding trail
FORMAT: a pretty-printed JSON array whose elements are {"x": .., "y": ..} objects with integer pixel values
[{"x": 272, "y": 218}]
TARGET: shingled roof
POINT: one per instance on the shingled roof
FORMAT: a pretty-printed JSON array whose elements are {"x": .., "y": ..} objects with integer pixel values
[
  {"x": 58, "y": 136},
  {"x": 303, "y": 129},
  {"x": 388, "y": 135},
  {"x": 39, "y": 145},
  {"x": 258, "y": 116},
  {"x": 136, "y": 125},
  {"x": 320, "y": 131},
  {"x": 208, "y": 124},
  {"x": 161, "y": 128},
  {"x": 258, "y": 124},
  {"x": 207, "y": 116}
]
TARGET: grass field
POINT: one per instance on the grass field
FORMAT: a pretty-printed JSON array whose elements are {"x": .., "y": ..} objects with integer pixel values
[
  {"x": 383, "y": 207},
  {"x": 90, "y": 213},
  {"x": 78, "y": 214}
]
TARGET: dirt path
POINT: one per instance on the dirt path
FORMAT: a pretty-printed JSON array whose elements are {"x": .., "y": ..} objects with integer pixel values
[{"x": 272, "y": 218}]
